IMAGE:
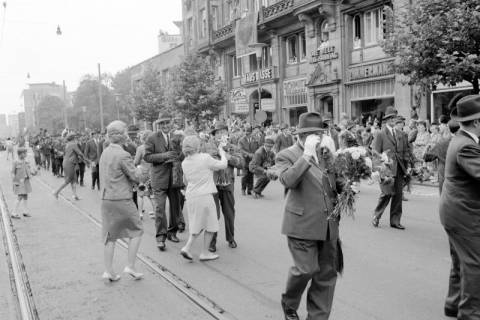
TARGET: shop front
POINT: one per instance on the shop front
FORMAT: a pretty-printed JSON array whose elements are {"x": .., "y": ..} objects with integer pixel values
[
  {"x": 369, "y": 90},
  {"x": 295, "y": 100},
  {"x": 440, "y": 99}
]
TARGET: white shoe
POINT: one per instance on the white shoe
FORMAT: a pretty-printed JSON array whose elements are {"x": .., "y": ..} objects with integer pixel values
[
  {"x": 135, "y": 275},
  {"x": 108, "y": 277},
  {"x": 208, "y": 257}
]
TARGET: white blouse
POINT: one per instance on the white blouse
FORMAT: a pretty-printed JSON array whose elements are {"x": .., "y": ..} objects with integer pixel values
[{"x": 198, "y": 174}]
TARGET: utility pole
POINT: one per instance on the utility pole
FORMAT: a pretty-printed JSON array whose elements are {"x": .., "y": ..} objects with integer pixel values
[
  {"x": 65, "y": 117},
  {"x": 102, "y": 126}
]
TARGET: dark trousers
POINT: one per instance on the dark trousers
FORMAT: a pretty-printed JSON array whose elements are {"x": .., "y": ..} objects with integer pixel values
[
  {"x": 247, "y": 180},
  {"x": 225, "y": 201},
  {"x": 80, "y": 172},
  {"x": 95, "y": 177},
  {"x": 314, "y": 261},
  {"x": 464, "y": 284},
  {"x": 396, "y": 205},
  {"x": 261, "y": 184},
  {"x": 160, "y": 198}
]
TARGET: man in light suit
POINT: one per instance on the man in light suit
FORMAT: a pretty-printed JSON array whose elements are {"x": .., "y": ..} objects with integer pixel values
[
  {"x": 460, "y": 211},
  {"x": 312, "y": 237},
  {"x": 395, "y": 144},
  {"x": 159, "y": 154}
]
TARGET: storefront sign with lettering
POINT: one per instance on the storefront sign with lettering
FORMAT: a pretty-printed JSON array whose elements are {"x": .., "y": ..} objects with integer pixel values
[
  {"x": 324, "y": 54},
  {"x": 371, "y": 71},
  {"x": 238, "y": 98},
  {"x": 268, "y": 104},
  {"x": 252, "y": 77}
]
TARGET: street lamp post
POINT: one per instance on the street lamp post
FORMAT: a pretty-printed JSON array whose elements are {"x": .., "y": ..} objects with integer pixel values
[
  {"x": 116, "y": 95},
  {"x": 259, "y": 53}
]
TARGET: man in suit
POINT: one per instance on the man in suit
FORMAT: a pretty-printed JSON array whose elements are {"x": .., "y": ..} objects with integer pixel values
[
  {"x": 312, "y": 237},
  {"x": 284, "y": 139},
  {"x": 248, "y": 145},
  {"x": 262, "y": 161},
  {"x": 395, "y": 144},
  {"x": 158, "y": 153},
  {"x": 93, "y": 151},
  {"x": 460, "y": 211}
]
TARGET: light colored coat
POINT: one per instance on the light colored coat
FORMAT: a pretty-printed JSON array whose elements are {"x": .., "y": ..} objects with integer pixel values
[{"x": 117, "y": 173}]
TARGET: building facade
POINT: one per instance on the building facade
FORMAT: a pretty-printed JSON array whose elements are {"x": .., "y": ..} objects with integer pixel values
[{"x": 322, "y": 56}]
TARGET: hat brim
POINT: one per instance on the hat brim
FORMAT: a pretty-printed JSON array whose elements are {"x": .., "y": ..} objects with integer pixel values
[
  {"x": 455, "y": 116},
  {"x": 388, "y": 116},
  {"x": 163, "y": 119},
  {"x": 307, "y": 130}
]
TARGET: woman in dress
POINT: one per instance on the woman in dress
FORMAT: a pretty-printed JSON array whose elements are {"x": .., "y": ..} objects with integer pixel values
[
  {"x": 119, "y": 214},
  {"x": 421, "y": 141},
  {"x": 73, "y": 155},
  {"x": 198, "y": 175}
]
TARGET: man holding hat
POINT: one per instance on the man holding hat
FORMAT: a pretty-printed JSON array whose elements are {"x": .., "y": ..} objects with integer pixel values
[
  {"x": 262, "y": 161},
  {"x": 284, "y": 139},
  {"x": 395, "y": 144},
  {"x": 158, "y": 153},
  {"x": 313, "y": 241},
  {"x": 460, "y": 211}
]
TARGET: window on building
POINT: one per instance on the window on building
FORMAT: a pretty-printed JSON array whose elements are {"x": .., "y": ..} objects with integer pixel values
[
  {"x": 215, "y": 20},
  {"x": 237, "y": 66},
  {"x": 292, "y": 50},
  {"x": 303, "y": 46},
  {"x": 267, "y": 57},
  {"x": 357, "y": 32},
  {"x": 324, "y": 32},
  {"x": 203, "y": 23},
  {"x": 374, "y": 26},
  {"x": 253, "y": 62}
]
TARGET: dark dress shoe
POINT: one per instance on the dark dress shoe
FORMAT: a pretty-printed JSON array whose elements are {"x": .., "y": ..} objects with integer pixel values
[
  {"x": 375, "y": 222},
  {"x": 397, "y": 226},
  {"x": 212, "y": 247},
  {"x": 249, "y": 193},
  {"x": 451, "y": 312},
  {"x": 173, "y": 238},
  {"x": 161, "y": 245},
  {"x": 290, "y": 314},
  {"x": 232, "y": 244}
]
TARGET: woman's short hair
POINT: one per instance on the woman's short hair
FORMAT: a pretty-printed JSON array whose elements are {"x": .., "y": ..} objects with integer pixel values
[
  {"x": 144, "y": 135},
  {"x": 191, "y": 145},
  {"x": 116, "y": 131}
]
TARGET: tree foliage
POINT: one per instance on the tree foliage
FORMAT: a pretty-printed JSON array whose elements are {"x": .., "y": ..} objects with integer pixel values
[
  {"x": 437, "y": 41},
  {"x": 195, "y": 92},
  {"x": 148, "y": 95},
  {"x": 50, "y": 113},
  {"x": 122, "y": 90}
]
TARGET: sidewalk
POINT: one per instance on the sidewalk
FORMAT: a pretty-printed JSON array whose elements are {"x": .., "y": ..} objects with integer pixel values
[
  {"x": 63, "y": 254},
  {"x": 7, "y": 300}
]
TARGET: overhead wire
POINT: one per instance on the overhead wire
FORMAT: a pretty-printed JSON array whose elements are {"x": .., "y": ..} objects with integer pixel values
[{"x": 2, "y": 27}]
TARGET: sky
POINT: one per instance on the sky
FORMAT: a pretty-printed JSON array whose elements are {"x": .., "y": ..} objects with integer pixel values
[{"x": 114, "y": 33}]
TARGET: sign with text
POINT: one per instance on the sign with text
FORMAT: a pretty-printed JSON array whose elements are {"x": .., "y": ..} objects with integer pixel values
[
  {"x": 324, "y": 54},
  {"x": 265, "y": 74},
  {"x": 268, "y": 105},
  {"x": 371, "y": 71},
  {"x": 238, "y": 98}
]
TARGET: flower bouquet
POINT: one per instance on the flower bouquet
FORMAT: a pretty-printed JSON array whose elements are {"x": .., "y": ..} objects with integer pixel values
[{"x": 350, "y": 165}]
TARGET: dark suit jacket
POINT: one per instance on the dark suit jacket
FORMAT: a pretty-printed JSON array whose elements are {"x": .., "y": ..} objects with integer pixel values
[
  {"x": 460, "y": 200},
  {"x": 262, "y": 160},
  {"x": 248, "y": 148},
  {"x": 93, "y": 150},
  {"x": 283, "y": 142},
  {"x": 155, "y": 153},
  {"x": 398, "y": 150},
  {"x": 310, "y": 196}
]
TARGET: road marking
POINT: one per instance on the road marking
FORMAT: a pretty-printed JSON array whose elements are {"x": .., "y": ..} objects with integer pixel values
[{"x": 194, "y": 295}]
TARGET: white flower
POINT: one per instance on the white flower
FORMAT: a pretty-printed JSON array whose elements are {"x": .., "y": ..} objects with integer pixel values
[
  {"x": 369, "y": 162},
  {"x": 384, "y": 157},
  {"x": 328, "y": 143},
  {"x": 362, "y": 151},
  {"x": 355, "y": 155}
]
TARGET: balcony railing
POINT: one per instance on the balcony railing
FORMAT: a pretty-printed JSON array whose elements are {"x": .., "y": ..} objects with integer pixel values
[
  {"x": 277, "y": 8},
  {"x": 224, "y": 32}
]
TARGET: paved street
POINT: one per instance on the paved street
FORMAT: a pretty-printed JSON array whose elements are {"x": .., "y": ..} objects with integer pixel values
[{"x": 389, "y": 274}]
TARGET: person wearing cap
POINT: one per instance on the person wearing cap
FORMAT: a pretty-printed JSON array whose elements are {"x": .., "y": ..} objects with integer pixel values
[
  {"x": 248, "y": 145},
  {"x": 460, "y": 211},
  {"x": 395, "y": 144},
  {"x": 119, "y": 214},
  {"x": 158, "y": 152},
  {"x": 284, "y": 139},
  {"x": 263, "y": 160},
  {"x": 72, "y": 156},
  {"x": 313, "y": 238},
  {"x": 21, "y": 173}
]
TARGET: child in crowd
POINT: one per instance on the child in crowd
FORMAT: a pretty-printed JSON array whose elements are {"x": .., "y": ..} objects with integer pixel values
[{"x": 21, "y": 174}]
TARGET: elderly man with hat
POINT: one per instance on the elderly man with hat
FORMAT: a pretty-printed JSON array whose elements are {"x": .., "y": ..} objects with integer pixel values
[
  {"x": 158, "y": 152},
  {"x": 395, "y": 144},
  {"x": 284, "y": 139},
  {"x": 460, "y": 211},
  {"x": 263, "y": 160},
  {"x": 313, "y": 238},
  {"x": 248, "y": 144}
]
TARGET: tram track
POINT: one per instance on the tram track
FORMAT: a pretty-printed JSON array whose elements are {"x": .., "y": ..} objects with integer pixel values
[
  {"x": 19, "y": 282},
  {"x": 194, "y": 295}
]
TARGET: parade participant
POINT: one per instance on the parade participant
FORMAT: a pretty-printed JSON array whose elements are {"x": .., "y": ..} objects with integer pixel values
[
  {"x": 198, "y": 171},
  {"x": 459, "y": 211},
  {"x": 21, "y": 173},
  {"x": 80, "y": 169},
  {"x": 144, "y": 186},
  {"x": 312, "y": 237},
  {"x": 248, "y": 145},
  {"x": 72, "y": 155},
  {"x": 439, "y": 152},
  {"x": 262, "y": 161},
  {"x": 177, "y": 184},
  {"x": 395, "y": 144},
  {"x": 225, "y": 182},
  {"x": 9, "y": 147},
  {"x": 158, "y": 153},
  {"x": 58, "y": 154},
  {"x": 93, "y": 151},
  {"x": 284, "y": 139},
  {"x": 119, "y": 215}
]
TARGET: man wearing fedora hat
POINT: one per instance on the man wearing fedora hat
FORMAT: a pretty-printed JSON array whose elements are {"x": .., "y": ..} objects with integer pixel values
[
  {"x": 395, "y": 144},
  {"x": 313, "y": 238},
  {"x": 460, "y": 211},
  {"x": 158, "y": 152},
  {"x": 284, "y": 139}
]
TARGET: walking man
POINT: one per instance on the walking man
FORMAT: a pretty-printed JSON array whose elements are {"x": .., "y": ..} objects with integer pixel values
[
  {"x": 460, "y": 211},
  {"x": 158, "y": 153},
  {"x": 395, "y": 144},
  {"x": 248, "y": 145},
  {"x": 93, "y": 151},
  {"x": 312, "y": 237}
]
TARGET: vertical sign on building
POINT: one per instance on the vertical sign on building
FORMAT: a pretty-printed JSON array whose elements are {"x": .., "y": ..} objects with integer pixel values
[{"x": 246, "y": 33}]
